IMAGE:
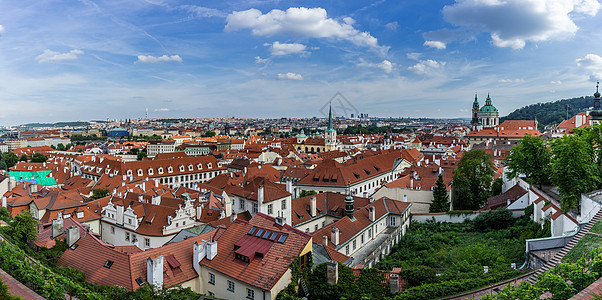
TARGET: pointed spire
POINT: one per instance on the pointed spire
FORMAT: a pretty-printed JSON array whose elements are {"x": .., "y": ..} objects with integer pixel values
[
  {"x": 597, "y": 94},
  {"x": 330, "y": 117}
]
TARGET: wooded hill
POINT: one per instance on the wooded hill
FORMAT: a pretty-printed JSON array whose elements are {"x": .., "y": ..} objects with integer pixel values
[{"x": 551, "y": 113}]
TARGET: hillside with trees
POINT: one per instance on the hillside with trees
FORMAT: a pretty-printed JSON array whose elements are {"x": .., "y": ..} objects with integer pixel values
[{"x": 551, "y": 113}]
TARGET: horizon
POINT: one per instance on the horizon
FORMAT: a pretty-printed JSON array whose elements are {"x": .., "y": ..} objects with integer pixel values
[{"x": 93, "y": 60}]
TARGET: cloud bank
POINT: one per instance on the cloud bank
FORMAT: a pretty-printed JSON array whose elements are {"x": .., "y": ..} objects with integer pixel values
[
  {"x": 149, "y": 59},
  {"x": 50, "y": 56}
]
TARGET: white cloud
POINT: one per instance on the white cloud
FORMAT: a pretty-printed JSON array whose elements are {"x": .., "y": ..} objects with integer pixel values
[
  {"x": 157, "y": 59},
  {"x": 49, "y": 55},
  {"x": 279, "y": 49},
  {"x": 1, "y": 29},
  {"x": 161, "y": 109},
  {"x": 512, "y": 23},
  {"x": 591, "y": 64},
  {"x": 556, "y": 82},
  {"x": 385, "y": 65},
  {"x": 414, "y": 55},
  {"x": 259, "y": 60},
  {"x": 427, "y": 67},
  {"x": 517, "y": 80},
  {"x": 392, "y": 26},
  {"x": 291, "y": 76},
  {"x": 435, "y": 44},
  {"x": 300, "y": 21},
  {"x": 202, "y": 12}
]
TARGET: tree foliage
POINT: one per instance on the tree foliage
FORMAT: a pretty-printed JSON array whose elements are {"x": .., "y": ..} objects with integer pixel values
[
  {"x": 23, "y": 228},
  {"x": 39, "y": 158},
  {"x": 305, "y": 193},
  {"x": 573, "y": 169},
  {"x": 472, "y": 179},
  {"x": 10, "y": 159},
  {"x": 99, "y": 193},
  {"x": 530, "y": 157},
  {"x": 440, "y": 201},
  {"x": 551, "y": 112},
  {"x": 23, "y": 157}
]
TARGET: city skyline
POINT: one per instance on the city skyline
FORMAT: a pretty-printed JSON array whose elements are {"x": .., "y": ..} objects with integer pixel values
[{"x": 83, "y": 60}]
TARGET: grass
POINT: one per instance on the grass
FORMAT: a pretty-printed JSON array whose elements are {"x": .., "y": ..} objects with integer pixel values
[
  {"x": 597, "y": 228},
  {"x": 583, "y": 247}
]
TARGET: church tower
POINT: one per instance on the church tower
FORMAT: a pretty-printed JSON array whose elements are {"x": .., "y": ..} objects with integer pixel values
[
  {"x": 474, "y": 123},
  {"x": 330, "y": 137},
  {"x": 596, "y": 113},
  {"x": 489, "y": 116}
]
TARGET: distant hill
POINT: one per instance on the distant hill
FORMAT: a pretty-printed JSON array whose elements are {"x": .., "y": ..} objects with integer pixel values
[
  {"x": 551, "y": 113},
  {"x": 57, "y": 124}
]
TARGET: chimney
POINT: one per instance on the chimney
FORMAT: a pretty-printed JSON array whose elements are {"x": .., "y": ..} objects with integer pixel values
[
  {"x": 211, "y": 249},
  {"x": 72, "y": 235},
  {"x": 332, "y": 272},
  {"x": 24, "y": 184},
  {"x": 154, "y": 271},
  {"x": 140, "y": 198},
  {"x": 119, "y": 215},
  {"x": 324, "y": 240},
  {"x": 289, "y": 186},
  {"x": 394, "y": 280},
  {"x": 312, "y": 206},
  {"x": 124, "y": 177},
  {"x": 349, "y": 207},
  {"x": 411, "y": 183},
  {"x": 371, "y": 213},
  {"x": 156, "y": 200},
  {"x": 405, "y": 198},
  {"x": 334, "y": 235},
  {"x": 156, "y": 183},
  {"x": 114, "y": 191},
  {"x": 198, "y": 253},
  {"x": 4, "y": 202},
  {"x": 57, "y": 226},
  {"x": 144, "y": 186},
  {"x": 260, "y": 196}
]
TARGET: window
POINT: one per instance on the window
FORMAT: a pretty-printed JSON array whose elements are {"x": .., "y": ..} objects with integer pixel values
[
  {"x": 254, "y": 208},
  {"x": 108, "y": 264},
  {"x": 242, "y": 202},
  {"x": 130, "y": 221},
  {"x": 250, "y": 294},
  {"x": 270, "y": 210},
  {"x": 354, "y": 244},
  {"x": 211, "y": 278},
  {"x": 134, "y": 238},
  {"x": 127, "y": 236},
  {"x": 393, "y": 219},
  {"x": 315, "y": 227},
  {"x": 147, "y": 242},
  {"x": 283, "y": 204},
  {"x": 230, "y": 286},
  {"x": 347, "y": 250},
  {"x": 211, "y": 294},
  {"x": 112, "y": 230},
  {"x": 370, "y": 233},
  {"x": 362, "y": 239}
]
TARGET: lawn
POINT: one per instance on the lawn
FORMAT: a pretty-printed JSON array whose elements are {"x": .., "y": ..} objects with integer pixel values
[{"x": 583, "y": 247}]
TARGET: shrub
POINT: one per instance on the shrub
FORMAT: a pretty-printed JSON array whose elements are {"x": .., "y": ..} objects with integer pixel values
[
  {"x": 493, "y": 219},
  {"x": 417, "y": 275}
]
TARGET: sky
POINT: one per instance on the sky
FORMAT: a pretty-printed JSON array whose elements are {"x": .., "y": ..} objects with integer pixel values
[{"x": 69, "y": 60}]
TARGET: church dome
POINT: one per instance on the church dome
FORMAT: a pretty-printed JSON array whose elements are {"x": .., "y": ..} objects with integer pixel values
[{"x": 488, "y": 109}]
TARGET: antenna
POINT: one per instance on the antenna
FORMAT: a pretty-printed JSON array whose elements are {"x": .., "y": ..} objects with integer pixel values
[{"x": 146, "y": 113}]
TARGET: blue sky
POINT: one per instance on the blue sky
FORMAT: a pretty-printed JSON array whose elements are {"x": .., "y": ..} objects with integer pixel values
[{"x": 80, "y": 60}]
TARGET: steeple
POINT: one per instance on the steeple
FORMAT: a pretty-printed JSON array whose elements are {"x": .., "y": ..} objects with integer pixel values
[
  {"x": 596, "y": 113},
  {"x": 488, "y": 100},
  {"x": 330, "y": 117},
  {"x": 349, "y": 203},
  {"x": 476, "y": 101}
]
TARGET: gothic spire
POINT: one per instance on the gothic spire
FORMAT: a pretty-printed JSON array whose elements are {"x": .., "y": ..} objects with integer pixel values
[{"x": 330, "y": 117}]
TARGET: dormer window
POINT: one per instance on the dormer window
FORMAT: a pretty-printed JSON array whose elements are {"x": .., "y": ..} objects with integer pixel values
[
  {"x": 140, "y": 172},
  {"x": 181, "y": 168},
  {"x": 209, "y": 165},
  {"x": 199, "y": 166},
  {"x": 150, "y": 171},
  {"x": 129, "y": 173},
  {"x": 80, "y": 214},
  {"x": 160, "y": 170},
  {"x": 190, "y": 168},
  {"x": 170, "y": 169}
]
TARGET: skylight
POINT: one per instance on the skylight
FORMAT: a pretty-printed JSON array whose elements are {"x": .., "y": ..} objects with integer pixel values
[
  {"x": 266, "y": 234},
  {"x": 273, "y": 236},
  {"x": 140, "y": 281},
  {"x": 282, "y": 238},
  {"x": 252, "y": 230},
  {"x": 108, "y": 264},
  {"x": 259, "y": 233}
]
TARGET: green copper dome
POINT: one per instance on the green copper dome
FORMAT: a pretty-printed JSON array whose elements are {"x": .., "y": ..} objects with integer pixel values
[
  {"x": 302, "y": 134},
  {"x": 488, "y": 109},
  {"x": 476, "y": 101}
]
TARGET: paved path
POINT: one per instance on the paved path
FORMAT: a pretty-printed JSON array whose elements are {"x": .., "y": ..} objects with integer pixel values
[{"x": 16, "y": 288}]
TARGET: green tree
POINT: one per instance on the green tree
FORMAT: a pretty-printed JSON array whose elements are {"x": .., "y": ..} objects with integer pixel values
[
  {"x": 209, "y": 133},
  {"x": 496, "y": 186},
  {"x": 60, "y": 147},
  {"x": 3, "y": 165},
  {"x": 532, "y": 158},
  {"x": 23, "y": 158},
  {"x": 23, "y": 228},
  {"x": 141, "y": 155},
  {"x": 440, "y": 203},
  {"x": 573, "y": 169},
  {"x": 305, "y": 193},
  {"x": 10, "y": 159},
  {"x": 99, "y": 193},
  {"x": 472, "y": 179},
  {"x": 37, "y": 157}
]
